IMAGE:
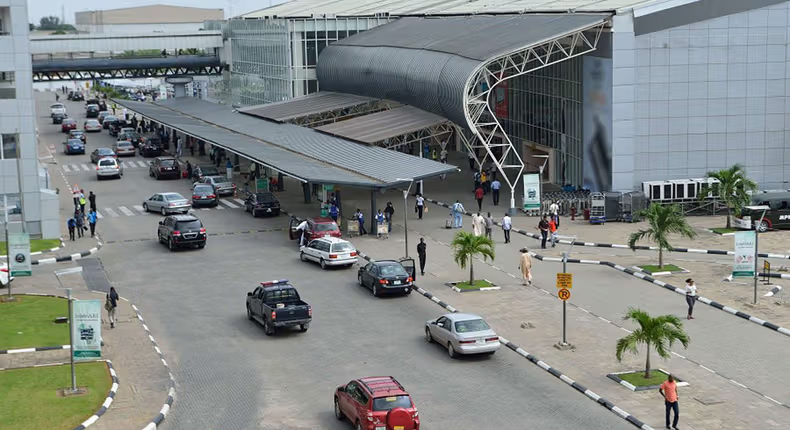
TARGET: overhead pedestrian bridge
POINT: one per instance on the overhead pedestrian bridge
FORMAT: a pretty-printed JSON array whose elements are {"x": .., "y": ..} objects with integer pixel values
[
  {"x": 117, "y": 43},
  {"x": 125, "y": 68}
]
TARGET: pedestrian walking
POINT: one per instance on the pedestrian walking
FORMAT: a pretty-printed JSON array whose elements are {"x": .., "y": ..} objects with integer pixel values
[
  {"x": 458, "y": 212},
  {"x": 420, "y": 205},
  {"x": 92, "y": 217},
  {"x": 489, "y": 225},
  {"x": 72, "y": 225},
  {"x": 554, "y": 210},
  {"x": 484, "y": 181},
  {"x": 471, "y": 161},
  {"x": 525, "y": 265},
  {"x": 360, "y": 217},
  {"x": 178, "y": 146},
  {"x": 114, "y": 107},
  {"x": 380, "y": 219},
  {"x": 691, "y": 296},
  {"x": 495, "y": 186},
  {"x": 421, "y": 253},
  {"x": 477, "y": 179},
  {"x": 507, "y": 224},
  {"x": 111, "y": 305},
  {"x": 75, "y": 193},
  {"x": 543, "y": 226},
  {"x": 553, "y": 232},
  {"x": 57, "y": 97},
  {"x": 389, "y": 211},
  {"x": 189, "y": 170},
  {"x": 478, "y": 224},
  {"x": 479, "y": 192},
  {"x": 92, "y": 201},
  {"x": 82, "y": 201},
  {"x": 434, "y": 156},
  {"x": 669, "y": 390},
  {"x": 333, "y": 212},
  {"x": 443, "y": 155},
  {"x": 79, "y": 218}
]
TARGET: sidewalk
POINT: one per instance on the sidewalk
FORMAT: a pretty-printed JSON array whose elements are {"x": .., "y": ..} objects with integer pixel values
[{"x": 143, "y": 380}]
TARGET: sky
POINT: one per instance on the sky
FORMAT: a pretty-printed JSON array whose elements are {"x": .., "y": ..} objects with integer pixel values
[{"x": 40, "y": 8}]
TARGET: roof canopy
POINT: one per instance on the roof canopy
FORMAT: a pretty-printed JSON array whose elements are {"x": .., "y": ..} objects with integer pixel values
[
  {"x": 427, "y": 62},
  {"x": 304, "y": 106},
  {"x": 296, "y": 151},
  {"x": 380, "y": 126}
]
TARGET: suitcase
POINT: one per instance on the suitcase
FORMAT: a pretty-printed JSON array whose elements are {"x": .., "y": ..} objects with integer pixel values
[{"x": 448, "y": 224}]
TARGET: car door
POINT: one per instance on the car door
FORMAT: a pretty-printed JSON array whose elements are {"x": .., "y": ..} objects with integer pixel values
[
  {"x": 345, "y": 401},
  {"x": 310, "y": 250},
  {"x": 355, "y": 404},
  {"x": 372, "y": 275},
  {"x": 440, "y": 329},
  {"x": 255, "y": 301},
  {"x": 157, "y": 202}
]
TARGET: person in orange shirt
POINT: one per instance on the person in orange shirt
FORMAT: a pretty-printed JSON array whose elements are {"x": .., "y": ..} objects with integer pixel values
[
  {"x": 553, "y": 231},
  {"x": 669, "y": 389}
]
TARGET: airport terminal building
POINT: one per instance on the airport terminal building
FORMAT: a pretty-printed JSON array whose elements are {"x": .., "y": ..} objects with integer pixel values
[{"x": 671, "y": 89}]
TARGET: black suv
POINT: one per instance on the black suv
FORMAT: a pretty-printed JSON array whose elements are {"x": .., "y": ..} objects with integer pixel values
[
  {"x": 151, "y": 147},
  {"x": 262, "y": 203},
  {"x": 164, "y": 167},
  {"x": 132, "y": 136},
  {"x": 92, "y": 111},
  {"x": 178, "y": 231},
  {"x": 57, "y": 118},
  {"x": 77, "y": 96}
]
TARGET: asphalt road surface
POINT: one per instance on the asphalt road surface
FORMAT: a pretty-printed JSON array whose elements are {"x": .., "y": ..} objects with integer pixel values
[{"x": 231, "y": 376}]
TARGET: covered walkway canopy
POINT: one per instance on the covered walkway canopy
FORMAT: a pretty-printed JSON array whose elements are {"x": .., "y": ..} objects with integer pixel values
[
  {"x": 382, "y": 126},
  {"x": 298, "y": 152},
  {"x": 314, "y": 109}
]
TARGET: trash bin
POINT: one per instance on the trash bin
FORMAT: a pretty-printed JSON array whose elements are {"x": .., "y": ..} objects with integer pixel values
[{"x": 587, "y": 214}]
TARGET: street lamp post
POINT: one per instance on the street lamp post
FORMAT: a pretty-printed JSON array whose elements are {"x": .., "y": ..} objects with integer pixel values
[
  {"x": 540, "y": 178},
  {"x": 406, "y": 212}
]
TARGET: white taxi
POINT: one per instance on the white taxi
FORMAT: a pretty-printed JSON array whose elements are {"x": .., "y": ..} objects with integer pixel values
[
  {"x": 109, "y": 168},
  {"x": 329, "y": 251}
]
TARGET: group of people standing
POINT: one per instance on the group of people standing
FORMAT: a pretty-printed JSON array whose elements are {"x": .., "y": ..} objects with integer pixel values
[{"x": 77, "y": 223}]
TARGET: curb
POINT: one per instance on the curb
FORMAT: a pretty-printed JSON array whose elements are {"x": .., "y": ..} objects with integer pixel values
[
  {"x": 665, "y": 273},
  {"x": 56, "y": 249},
  {"x": 37, "y": 349},
  {"x": 452, "y": 286},
  {"x": 774, "y": 291},
  {"x": 775, "y": 275},
  {"x": 616, "y": 378},
  {"x": 534, "y": 360},
  {"x": 621, "y": 246},
  {"x": 720, "y": 234},
  {"x": 72, "y": 257}
]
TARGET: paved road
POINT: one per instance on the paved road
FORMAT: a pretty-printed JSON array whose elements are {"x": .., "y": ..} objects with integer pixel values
[{"x": 231, "y": 376}]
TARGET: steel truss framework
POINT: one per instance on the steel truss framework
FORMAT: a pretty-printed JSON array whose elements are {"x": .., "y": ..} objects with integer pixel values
[
  {"x": 126, "y": 73},
  {"x": 440, "y": 133},
  {"x": 332, "y": 116},
  {"x": 478, "y": 109}
]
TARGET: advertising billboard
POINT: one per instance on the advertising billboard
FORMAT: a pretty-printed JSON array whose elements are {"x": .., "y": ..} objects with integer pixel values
[
  {"x": 531, "y": 191},
  {"x": 86, "y": 329}
]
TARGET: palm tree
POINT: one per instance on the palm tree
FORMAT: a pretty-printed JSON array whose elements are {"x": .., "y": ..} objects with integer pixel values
[
  {"x": 466, "y": 246},
  {"x": 733, "y": 188},
  {"x": 659, "y": 332},
  {"x": 662, "y": 220}
]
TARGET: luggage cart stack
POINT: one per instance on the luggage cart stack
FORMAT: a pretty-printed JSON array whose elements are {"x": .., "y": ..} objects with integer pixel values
[{"x": 597, "y": 208}]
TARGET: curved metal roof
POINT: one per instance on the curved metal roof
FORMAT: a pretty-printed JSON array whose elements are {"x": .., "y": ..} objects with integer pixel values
[{"x": 426, "y": 62}]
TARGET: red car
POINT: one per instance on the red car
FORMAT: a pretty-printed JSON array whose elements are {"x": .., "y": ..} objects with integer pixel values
[
  {"x": 67, "y": 125},
  {"x": 374, "y": 403},
  {"x": 316, "y": 227}
]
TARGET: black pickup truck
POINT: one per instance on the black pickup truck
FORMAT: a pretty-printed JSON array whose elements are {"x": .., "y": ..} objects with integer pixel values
[{"x": 276, "y": 304}]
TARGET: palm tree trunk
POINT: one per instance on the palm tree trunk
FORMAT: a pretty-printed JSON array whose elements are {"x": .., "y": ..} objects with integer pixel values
[
  {"x": 660, "y": 258},
  {"x": 471, "y": 271},
  {"x": 729, "y": 214},
  {"x": 647, "y": 363}
]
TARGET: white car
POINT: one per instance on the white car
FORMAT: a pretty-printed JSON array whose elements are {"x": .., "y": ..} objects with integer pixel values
[
  {"x": 92, "y": 125},
  {"x": 57, "y": 108},
  {"x": 4, "y": 276},
  {"x": 462, "y": 334},
  {"x": 329, "y": 251},
  {"x": 123, "y": 147},
  {"x": 109, "y": 167}
]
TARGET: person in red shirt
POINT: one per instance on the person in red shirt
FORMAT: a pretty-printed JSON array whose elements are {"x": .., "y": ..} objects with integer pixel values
[
  {"x": 553, "y": 231},
  {"x": 479, "y": 196},
  {"x": 669, "y": 389}
]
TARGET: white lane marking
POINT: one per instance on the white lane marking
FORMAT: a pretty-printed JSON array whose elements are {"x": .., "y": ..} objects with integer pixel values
[
  {"x": 142, "y": 164},
  {"x": 99, "y": 215},
  {"x": 239, "y": 201},
  {"x": 85, "y": 167},
  {"x": 228, "y": 204},
  {"x": 140, "y": 209},
  {"x": 125, "y": 211},
  {"x": 218, "y": 207},
  {"x": 111, "y": 212},
  {"x": 205, "y": 209},
  {"x": 66, "y": 168}
]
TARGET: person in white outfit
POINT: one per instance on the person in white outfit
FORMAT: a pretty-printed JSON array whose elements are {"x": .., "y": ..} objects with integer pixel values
[
  {"x": 478, "y": 224},
  {"x": 691, "y": 296}
]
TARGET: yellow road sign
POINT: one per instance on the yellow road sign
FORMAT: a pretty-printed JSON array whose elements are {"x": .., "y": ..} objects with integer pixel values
[
  {"x": 766, "y": 265},
  {"x": 565, "y": 280},
  {"x": 564, "y": 294}
]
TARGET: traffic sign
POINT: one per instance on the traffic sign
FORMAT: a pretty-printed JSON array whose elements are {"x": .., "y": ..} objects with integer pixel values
[
  {"x": 564, "y": 294},
  {"x": 565, "y": 280}
]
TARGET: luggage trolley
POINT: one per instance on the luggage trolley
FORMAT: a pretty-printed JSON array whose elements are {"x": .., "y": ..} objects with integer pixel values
[
  {"x": 627, "y": 207},
  {"x": 597, "y": 208}
]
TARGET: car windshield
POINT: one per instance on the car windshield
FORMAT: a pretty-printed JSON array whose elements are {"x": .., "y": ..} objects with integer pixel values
[
  {"x": 392, "y": 269},
  {"x": 109, "y": 118},
  {"x": 265, "y": 197},
  {"x": 209, "y": 170},
  {"x": 342, "y": 247},
  {"x": 392, "y": 402},
  {"x": 471, "y": 325},
  {"x": 106, "y": 162},
  {"x": 105, "y": 151},
  {"x": 92, "y": 122},
  {"x": 68, "y": 121},
  {"x": 76, "y": 133},
  {"x": 188, "y": 225},
  {"x": 203, "y": 189},
  {"x": 166, "y": 163},
  {"x": 327, "y": 226},
  {"x": 219, "y": 179},
  {"x": 75, "y": 142},
  {"x": 123, "y": 143},
  {"x": 173, "y": 196}
]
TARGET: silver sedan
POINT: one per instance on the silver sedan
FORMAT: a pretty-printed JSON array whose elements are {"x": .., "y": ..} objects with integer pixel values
[
  {"x": 462, "y": 334},
  {"x": 167, "y": 203}
]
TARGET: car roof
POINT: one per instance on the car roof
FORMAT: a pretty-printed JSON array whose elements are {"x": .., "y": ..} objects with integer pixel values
[
  {"x": 166, "y": 158},
  {"x": 123, "y": 143},
  {"x": 104, "y": 150},
  {"x": 75, "y": 141},
  {"x": 208, "y": 166},
  {"x": 387, "y": 262},
  {"x": 455, "y": 317},
  {"x": 332, "y": 240},
  {"x": 323, "y": 220},
  {"x": 92, "y": 120},
  {"x": 184, "y": 217},
  {"x": 383, "y": 385},
  {"x": 69, "y": 120},
  {"x": 223, "y": 178}
]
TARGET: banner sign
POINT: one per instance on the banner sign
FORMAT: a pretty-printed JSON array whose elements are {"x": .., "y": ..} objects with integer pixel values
[
  {"x": 86, "y": 327},
  {"x": 19, "y": 254},
  {"x": 745, "y": 263},
  {"x": 531, "y": 191},
  {"x": 501, "y": 98}
]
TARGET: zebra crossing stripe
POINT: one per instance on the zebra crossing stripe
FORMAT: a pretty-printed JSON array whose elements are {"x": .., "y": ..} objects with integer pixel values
[
  {"x": 125, "y": 211},
  {"x": 205, "y": 209},
  {"x": 218, "y": 207},
  {"x": 99, "y": 215},
  {"x": 66, "y": 168},
  {"x": 140, "y": 209},
  {"x": 85, "y": 167},
  {"x": 228, "y": 204},
  {"x": 141, "y": 164},
  {"x": 239, "y": 201},
  {"x": 111, "y": 212}
]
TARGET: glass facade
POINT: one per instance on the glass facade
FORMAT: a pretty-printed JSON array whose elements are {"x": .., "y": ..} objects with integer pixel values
[
  {"x": 259, "y": 61},
  {"x": 545, "y": 107}
]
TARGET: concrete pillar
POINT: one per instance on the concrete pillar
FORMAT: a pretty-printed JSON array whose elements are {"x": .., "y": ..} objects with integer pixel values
[
  {"x": 339, "y": 203},
  {"x": 372, "y": 212},
  {"x": 179, "y": 84},
  {"x": 280, "y": 182},
  {"x": 307, "y": 194},
  {"x": 236, "y": 163}
]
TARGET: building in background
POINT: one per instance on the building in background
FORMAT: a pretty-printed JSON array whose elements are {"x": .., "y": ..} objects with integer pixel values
[
  {"x": 18, "y": 132},
  {"x": 145, "y": 19}
]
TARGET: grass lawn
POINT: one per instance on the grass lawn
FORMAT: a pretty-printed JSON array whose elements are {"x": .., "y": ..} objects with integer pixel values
[
  {"x": 666, "y": 268},
  {"x": 29, "y": 398},
  {"x": 724, "y": 230},
  {"x": 28, "y": 322},
  {"x": 638, "y": 379},
  {"x": 36, "y": 245},
  {"x": 479, "y": 283}
]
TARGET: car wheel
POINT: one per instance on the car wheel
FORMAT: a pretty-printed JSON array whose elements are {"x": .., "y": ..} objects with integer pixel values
[
  {"x": 323, "y": 264},
  {"x": 303, "y": 328},
  {"x": 170, "y": 245},
  {"x": 762, "y": 227},
  {"x": 450, "y": 350},
  {"x": 201, "y": 246},
  {"x": 150, "y": 173},
  {"x": 145, "y": 207},
  {"x": 428, "y": 336},
  {"x": 359, "y": 280},
  {"x": 359, "y": 426},
  {"x": 338, "y": 412},
  {"x": 266, "y": 328},
  {"x": 302, "y": 256},
  {"x": 375, "y": 290},
  {"x": 163, "y": 212},
  {"x": 249, "y": 313}
]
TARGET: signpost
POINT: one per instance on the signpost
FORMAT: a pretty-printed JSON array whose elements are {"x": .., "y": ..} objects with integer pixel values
[
  {"x": 564, "y": 294},
  {"x": 766, "y": 272},
  {"x": 564, "y": 285},
  {"x": 19, "y": 254}
]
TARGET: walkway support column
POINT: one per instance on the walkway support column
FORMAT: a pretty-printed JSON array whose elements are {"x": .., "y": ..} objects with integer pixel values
[
  {"x": 179, "y": 84},
  {"x": 372, "y": 211},
  {"x": 306, "y": 190}
]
